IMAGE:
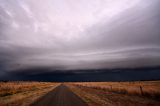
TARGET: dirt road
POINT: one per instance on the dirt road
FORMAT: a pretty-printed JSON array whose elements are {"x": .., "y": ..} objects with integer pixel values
[{"x": 60, "y": 96}]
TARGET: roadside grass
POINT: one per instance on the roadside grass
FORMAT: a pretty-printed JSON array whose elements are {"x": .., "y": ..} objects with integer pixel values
[
  {"x": 103, "y": 97},
  {"x": 23, "y": 93},
  {"x": 149, "y": 89}
]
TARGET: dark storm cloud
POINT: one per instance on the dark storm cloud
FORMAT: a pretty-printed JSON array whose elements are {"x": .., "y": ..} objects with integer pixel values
[{"x": 53, "y": 35}]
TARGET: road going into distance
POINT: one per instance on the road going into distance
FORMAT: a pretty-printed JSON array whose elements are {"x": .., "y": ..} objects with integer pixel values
[{"x": 60, "y": 96}]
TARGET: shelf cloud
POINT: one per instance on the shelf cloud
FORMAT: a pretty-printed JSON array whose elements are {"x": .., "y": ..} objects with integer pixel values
[{"x": 75, "y": 35}]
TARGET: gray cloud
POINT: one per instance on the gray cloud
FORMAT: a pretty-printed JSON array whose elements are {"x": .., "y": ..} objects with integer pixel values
[{"x": 73, "y": 35}]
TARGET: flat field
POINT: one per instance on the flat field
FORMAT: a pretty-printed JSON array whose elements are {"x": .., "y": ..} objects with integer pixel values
[
  {"x": 138, "y": 93},
  {"x": 20, "y": 93}
]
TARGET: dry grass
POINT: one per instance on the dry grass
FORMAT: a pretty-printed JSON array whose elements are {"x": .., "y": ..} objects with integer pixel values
[
  {"x": 100, "y": 97},
  {"x": 23, "y": 93},
  {"x": 141, "y": 88},
  {"x": 141, "y": 93}
]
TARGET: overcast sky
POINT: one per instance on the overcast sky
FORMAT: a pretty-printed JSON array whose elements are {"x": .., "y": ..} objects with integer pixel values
[{"x": 78, "y": 34}]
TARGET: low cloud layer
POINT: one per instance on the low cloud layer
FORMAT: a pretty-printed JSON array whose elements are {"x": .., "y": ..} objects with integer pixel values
[{"x": 75, "y": 35}]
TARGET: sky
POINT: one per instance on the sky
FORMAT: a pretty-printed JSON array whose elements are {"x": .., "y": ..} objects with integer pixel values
[{"x": 49, "y": 35}]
